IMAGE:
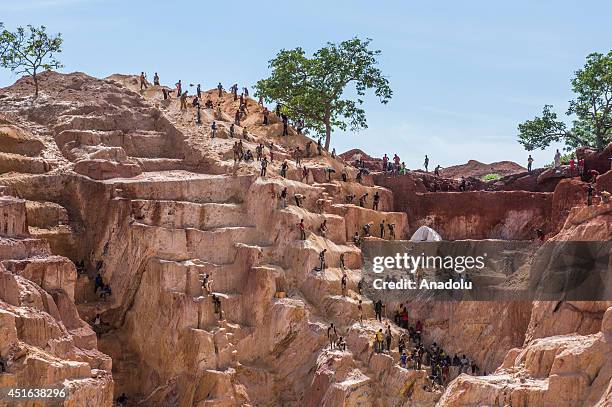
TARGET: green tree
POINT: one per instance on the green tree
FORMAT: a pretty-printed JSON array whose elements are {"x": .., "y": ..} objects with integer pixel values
[
  {"x": 591, "y": 107},
  {"x": 312, "y": 89},
  {"x": 29, "y": 51}
]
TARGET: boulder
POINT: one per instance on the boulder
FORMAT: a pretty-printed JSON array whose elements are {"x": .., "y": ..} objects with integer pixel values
[
  {"x": 104, "y": 169},
  {"x": 16, "y": 140}
]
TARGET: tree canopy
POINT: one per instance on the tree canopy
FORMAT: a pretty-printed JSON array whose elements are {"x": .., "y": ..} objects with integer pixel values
[
  {"x": 312, "y": 89},
  {"x": 29, "y": 51},
  {"x": 591, "y": 109}
]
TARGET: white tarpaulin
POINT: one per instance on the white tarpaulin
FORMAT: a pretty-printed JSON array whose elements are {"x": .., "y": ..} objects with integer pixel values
[{"x": 425, "y": 234}]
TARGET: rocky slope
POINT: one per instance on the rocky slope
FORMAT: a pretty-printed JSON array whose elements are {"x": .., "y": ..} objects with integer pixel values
[{"x": 128, "y": 185}]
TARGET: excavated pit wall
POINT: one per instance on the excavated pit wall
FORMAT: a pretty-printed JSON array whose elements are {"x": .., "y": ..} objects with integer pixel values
[{"x": 508, "y": 215}]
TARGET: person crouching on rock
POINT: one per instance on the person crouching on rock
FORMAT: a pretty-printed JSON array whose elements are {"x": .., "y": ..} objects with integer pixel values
[{"x": 299, "y": 199}]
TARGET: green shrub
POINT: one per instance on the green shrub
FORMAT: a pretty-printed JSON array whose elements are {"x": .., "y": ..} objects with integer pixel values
[{"x": 491, "y": 177}]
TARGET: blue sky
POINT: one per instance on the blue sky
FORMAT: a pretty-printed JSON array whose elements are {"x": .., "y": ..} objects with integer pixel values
[{"x": 464, "y": 73}]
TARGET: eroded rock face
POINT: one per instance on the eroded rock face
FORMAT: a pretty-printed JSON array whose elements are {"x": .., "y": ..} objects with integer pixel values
[
  {"x": 570, "y": 370},
  {"x": 596, "y": 160},
  {"x": 43, "y": 341},
  {"x": 143, "y": 196},
  {"x": 512, "y": 215}
]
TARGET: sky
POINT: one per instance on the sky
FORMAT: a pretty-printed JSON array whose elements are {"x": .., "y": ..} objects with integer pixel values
[{"x": 464, "y": 73}]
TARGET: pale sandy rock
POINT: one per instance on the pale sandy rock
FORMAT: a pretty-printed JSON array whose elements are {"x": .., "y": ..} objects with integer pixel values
[{"x": 16, "y": 140}]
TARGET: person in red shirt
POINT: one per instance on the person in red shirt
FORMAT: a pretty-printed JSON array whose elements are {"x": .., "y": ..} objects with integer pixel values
[
  {"x": 571, "y": 163},
  {"x": 302, "y": 228}
]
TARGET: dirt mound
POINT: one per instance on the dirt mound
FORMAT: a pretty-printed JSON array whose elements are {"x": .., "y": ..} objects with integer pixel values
[
  {"x": 477, "y": 169},
  {"x": 369, "y": 162}
]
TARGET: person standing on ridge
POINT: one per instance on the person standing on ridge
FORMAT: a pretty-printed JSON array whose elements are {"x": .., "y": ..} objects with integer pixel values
[
  {"x": 572, "y": 164},
  {"x": 264, "y": 166},
  {"x": 220, "y": 89},
  {"x": 283, "y": 197},
  {"x": 213, "y": 128},
  {"x": 529, "y": 163},
  {"x": 378, "y": 306},
  {"x": 462, "y": 184},
  {"x": 199, "y": 91},
  {"x": 396, "y": 161},
  {"x": 143, "y": 81},
  {"x": 391, "y": 227},
  {"x": 385, "y": 161},
  {"x": 590, "y": 191},
  {"x": 322, "y": 259},
  {"x": 235, "y": 150},
  {"x": 376, "y": 201},
  {"x": 363, "y": 200},
  {"x": 437, "y": 171},
  {"x": 319, "y": 147},
  {"x": 179, "y": 88},
  {"x": 285, "y": 124},
  {"x": 302, "y": 229},
  {"x": 360, "y": 310},
  {"x": 156, "y": 79},
  {"x": 184, "y": 101},
  {"x": 323, "y": 228},
  {"x": 283, "y": 169},
  {"x": 298, "y": 156},
  {"x": 378, "y": 341},
  {"x": 426, "y": 163},
  {"x": 332, "y": 335},
  {"x": 557, "y": 159}
]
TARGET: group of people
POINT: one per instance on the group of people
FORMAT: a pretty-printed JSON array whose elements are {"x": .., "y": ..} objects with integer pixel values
[
  {"x": 397, "y": 166},
  {"x": 413, "y": 354},
  {"x": 385, "y": 229}
]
